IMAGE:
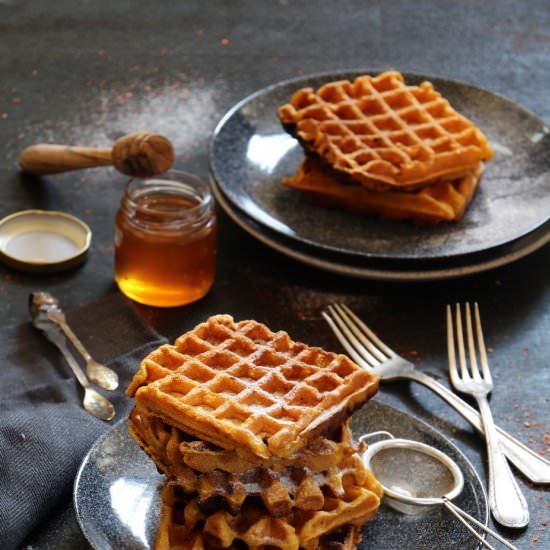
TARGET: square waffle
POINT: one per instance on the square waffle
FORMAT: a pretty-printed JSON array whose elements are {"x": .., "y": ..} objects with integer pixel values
[
  {"x": 445, "y": 200},
  {"x": 384, "y": 134},
  {"x": 282, "y": 494},
  {"x": 183, "y": 525},
  {"x": 242, "y": 386},
  {"x": 174, "y": 534},
  {"x": 171, "y": 450},
  {"x": 281, "y": 490}
]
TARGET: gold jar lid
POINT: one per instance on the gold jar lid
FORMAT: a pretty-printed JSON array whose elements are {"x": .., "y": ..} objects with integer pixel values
[{"x": 43, "y": 241}]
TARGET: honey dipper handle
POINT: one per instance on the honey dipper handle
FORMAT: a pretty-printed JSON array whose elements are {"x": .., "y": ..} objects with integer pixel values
[{"x": 53, "y": 159}]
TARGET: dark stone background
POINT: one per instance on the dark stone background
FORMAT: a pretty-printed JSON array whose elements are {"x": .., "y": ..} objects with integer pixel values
[{"x": 87, "y": 72}]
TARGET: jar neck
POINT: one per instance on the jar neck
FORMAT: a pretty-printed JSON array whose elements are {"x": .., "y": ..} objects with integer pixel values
[{"x": 167, "y": 204}]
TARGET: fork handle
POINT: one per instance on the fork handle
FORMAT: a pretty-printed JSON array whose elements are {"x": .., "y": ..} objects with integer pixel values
[
  {"x": 506, "y": 501},
  {"x": 532, "y": 465}
]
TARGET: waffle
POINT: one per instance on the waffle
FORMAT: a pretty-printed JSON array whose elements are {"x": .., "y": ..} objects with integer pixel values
[
  {"x": 170, "y": 537},
  {"x": 183, "y": 525},
  {"x": 346, "y": 537},
  {"x": 384, "y": 134},
  {"x": 241, "y": 386},
  {"x": 445, "y": 200},
  {"x": 171, "y": 449},
  {"x": 281, "y": 492}
]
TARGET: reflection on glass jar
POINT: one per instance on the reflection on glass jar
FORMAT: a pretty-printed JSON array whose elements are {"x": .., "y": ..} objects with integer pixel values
[{"x": 165, "y": 240}]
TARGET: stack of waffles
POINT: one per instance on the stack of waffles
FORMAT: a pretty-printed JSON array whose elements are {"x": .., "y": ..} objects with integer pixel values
[
  {"x": 380, "y": 146},
  {"x": 251, "y": 430}
]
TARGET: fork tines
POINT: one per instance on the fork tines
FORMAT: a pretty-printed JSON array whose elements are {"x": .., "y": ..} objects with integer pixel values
[
  {"x": 363, "y": 346},
  {"x": 465, "y": 373}
]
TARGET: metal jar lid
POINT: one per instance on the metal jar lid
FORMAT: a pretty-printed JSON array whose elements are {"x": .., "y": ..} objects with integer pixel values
[{"x": 43, "y": 241}]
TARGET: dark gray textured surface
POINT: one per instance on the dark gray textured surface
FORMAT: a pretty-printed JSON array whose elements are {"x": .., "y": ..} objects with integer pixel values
[
  {"x": 67, "y": 69},
  {"x": 117, "y": 466},
  {"x": 251, "y": 154}
]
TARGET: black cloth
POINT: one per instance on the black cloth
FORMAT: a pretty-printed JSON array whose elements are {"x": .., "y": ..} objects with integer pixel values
[{"x": 44, "y": 431}]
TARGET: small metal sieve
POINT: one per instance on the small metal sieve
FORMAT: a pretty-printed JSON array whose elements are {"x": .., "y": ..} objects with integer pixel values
[{"x": 416, "y": 476}]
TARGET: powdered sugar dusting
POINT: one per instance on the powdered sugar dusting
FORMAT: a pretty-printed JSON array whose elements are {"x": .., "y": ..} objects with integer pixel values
[
  {"x": 185, "y": 114},
  {"x": 110, "y": 453}
]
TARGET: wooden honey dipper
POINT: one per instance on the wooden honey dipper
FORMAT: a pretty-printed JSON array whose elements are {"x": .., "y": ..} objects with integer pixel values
[{"x": 140, "y": 155}]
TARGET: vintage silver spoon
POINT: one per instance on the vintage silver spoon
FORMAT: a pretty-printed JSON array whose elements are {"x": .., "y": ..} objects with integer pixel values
[
  {"x": 93, "y": 401},
  {"x": 99, "y": 374}
]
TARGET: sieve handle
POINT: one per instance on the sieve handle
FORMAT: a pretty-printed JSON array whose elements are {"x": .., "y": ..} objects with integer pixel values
[
  {"x": 365, "y": 437},
  {"x": 462, "y": 516}
]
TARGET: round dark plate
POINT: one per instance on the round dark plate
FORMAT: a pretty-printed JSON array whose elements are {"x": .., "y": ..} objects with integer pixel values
[
  {"x": 250, "y": 154},
  {"x": 117, "y": 492},
  {"x": 382, "y": 270}
]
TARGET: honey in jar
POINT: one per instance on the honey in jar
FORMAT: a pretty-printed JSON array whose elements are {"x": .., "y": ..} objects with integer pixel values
[{"x": 165, "y": 240}]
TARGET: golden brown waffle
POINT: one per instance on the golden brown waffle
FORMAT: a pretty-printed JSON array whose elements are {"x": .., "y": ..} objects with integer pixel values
[
  {"x": 171, "y": 449},
  {"x": 346, "y": 537},
  {"x": 184, "y": 526},
  {"x": 445, "y": 200},
  {"x": 169, "y": 537},
  {"x": 243, "y": 387},
  {"x": 291, "y": 487},
  {"x": 383, "y": 133},
  {"x": 281, "y": 493}
]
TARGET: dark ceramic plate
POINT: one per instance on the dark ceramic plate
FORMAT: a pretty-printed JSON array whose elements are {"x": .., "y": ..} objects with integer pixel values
[
  {"x": 250, "y": 153},
  {"x": 376, "y": 269},
  {"x": 116, "y": 493}
]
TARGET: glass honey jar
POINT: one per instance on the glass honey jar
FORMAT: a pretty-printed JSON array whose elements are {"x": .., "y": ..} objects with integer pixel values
[{"x": 165, "y": 240}]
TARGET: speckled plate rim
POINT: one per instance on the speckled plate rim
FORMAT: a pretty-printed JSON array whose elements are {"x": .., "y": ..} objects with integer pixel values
[
  {"x": 471, "y": 473},
  {"x": 346, "y": 267},
  {"x": 45, "y": 266},
  {"x": 272, "y": 224},
  {"x": 76, "y": 484}
]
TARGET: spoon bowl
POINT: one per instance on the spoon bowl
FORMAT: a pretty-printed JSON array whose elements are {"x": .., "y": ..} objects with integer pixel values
[
  {"x": 97, "y": 405},
  {"x": 101, "y": 375}
]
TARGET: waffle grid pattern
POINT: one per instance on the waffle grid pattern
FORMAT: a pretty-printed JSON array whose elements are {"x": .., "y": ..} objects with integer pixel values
[
  {"x": 241, "y": 385},
  {"x": 383, "y": 133},
  {"x": 183, "y": 525},
  {"x": 280, "y": 491},
  {"x": 273, "y": 414}
]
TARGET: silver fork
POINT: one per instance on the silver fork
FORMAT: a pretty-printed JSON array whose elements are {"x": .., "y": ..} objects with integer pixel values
[
  {"x": 506, "y": 501},
  {"x": 371, "y": 353}
]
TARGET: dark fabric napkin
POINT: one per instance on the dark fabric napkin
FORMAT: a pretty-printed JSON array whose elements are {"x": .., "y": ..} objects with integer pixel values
[{"x": 44, "y": 431}]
